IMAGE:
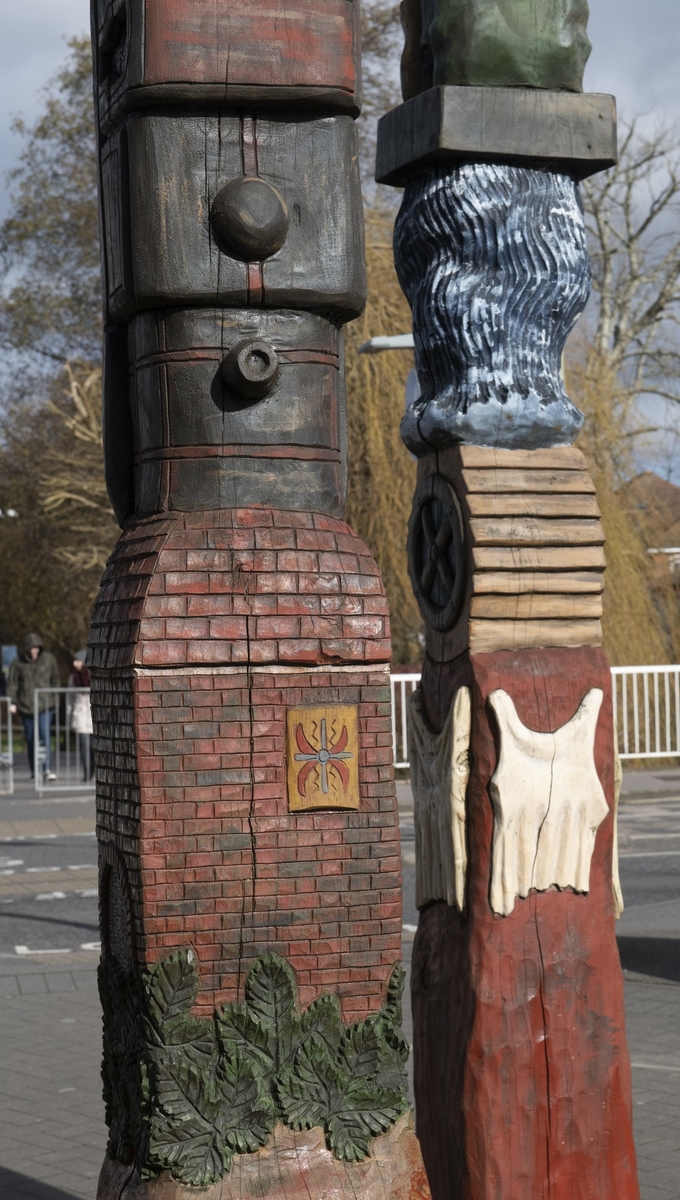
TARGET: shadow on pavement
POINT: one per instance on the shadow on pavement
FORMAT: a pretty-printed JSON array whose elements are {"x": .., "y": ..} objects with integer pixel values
[
  {"x": 659, "y": 957},
  {"x": 14, "y": 1186}
]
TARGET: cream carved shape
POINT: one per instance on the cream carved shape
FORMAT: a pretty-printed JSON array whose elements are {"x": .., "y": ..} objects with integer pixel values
[
  {"x": 548, "y": 804},
  {"x": 440, "y": 770}
]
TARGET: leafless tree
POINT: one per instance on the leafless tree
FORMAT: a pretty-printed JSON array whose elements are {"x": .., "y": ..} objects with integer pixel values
[
  {"x": 633, "y": 220},
  {"x": 381, "y": 45}
]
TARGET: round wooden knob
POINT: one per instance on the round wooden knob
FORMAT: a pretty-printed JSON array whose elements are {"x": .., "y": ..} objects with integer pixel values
[
  {"x": 251, "y": 369},
  {"x": 250, "y": 218}
]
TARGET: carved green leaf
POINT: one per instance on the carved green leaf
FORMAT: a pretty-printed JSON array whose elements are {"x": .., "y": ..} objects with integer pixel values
[
  {"x": 362, "y": 1108},
  {"x": 184, "y": 1137},
  {"x": 246, "y": 1114},
  {"x": 171, "y": 988},
  {"x": 308, "y": 1091},
  {"x": 238, "y": 1030},
  {"x": 271, "y": 994},
  {"x": 388, "y": 1022},
  {"x": 185, "y": 1094},
  {"x": 323, "y": 1017}
]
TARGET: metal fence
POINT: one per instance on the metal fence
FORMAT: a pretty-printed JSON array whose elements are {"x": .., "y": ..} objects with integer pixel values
[
  {"x": 6, "y": 748},
  {"x": 62, "y": 742},
  {"x": 402, "y": 687},
  {"x": 646, "y": 705}
]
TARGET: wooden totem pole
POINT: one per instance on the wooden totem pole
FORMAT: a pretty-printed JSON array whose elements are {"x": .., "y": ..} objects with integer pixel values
[
  {"x": 247, "y": 819},
  {"x": 522, "y": 1075}
]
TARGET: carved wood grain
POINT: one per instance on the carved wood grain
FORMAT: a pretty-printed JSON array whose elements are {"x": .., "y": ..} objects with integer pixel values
[
  {"x": 527, "y": 480},
  {"x": 519, "y": 582},
  {"x": 532, "y": 558},
  {"x": 521, "y": 531},
  {"x": 532, "y": 606},
  {"x": 486, "y": 636},
  {"x": 493, "y": 504}
]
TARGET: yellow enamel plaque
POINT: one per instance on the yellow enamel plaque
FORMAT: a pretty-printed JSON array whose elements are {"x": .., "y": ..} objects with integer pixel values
[{"x": 323, "y": 757}]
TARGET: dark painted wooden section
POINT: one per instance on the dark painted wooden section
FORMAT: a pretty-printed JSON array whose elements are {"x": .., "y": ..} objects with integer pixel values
[
  {"x": 522, "y": 1075},
  {"x": 160, "y": 176},
  {"x": 561, "y": 130},
  {"x": 216, "y": 52},
  {"x": 200, "y": 444}
]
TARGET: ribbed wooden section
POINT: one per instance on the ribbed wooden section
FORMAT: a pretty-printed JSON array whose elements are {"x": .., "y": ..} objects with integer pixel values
[{"x": 536, "y": 548}]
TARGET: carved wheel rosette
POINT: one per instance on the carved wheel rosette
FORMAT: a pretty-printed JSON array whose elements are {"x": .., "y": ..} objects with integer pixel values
[{"x": 436, "y": 560}]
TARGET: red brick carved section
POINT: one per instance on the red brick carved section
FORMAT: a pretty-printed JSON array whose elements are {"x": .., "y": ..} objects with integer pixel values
[{"x": 204, "y": 634}]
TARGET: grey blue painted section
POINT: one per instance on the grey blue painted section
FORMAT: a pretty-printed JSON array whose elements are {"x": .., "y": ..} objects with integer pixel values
[{"x": 494, "y": 262}]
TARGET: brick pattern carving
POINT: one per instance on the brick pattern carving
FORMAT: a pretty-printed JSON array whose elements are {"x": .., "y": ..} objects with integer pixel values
[{"x": 208, "y": 627}]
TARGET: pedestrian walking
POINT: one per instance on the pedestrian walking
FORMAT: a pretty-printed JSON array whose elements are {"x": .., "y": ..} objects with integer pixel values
[
  {"x": 81, "y": 713},
  {"x": 35, "y": 668}
]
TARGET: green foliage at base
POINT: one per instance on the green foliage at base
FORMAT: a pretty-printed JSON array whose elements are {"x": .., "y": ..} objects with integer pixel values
[{"x": 184, "y": 1094}]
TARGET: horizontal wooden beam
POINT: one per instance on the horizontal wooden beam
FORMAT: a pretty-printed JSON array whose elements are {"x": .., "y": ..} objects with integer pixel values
[
  {"x": 522, "y": 531},
  {"x": 520, "y": 504},
  {"x": 566, "y": 131},
  {"x": 531, "y": 606},
  {"x": 542, "y": 558},
  {"x": 487, "y": 636},
  {"x": 478, "y": 480},
  {"x": 578, "y": 583}
]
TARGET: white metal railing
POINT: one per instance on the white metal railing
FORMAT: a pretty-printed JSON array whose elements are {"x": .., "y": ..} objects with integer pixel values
[
  {"x": 63, "y": 758},
  {"x": 646, "y": 706},
  {"x": 6, "y": 748},
  {"x": 401, "y": 688}
]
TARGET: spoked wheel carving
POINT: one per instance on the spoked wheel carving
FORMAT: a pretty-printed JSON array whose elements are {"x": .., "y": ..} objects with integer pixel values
[{"x": 436, "y": 560}]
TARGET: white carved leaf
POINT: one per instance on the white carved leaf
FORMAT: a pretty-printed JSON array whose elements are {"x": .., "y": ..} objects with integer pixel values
[{"x": 548, "y": 803}]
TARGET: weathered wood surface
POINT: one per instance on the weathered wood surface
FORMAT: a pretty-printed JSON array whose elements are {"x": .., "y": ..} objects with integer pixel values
[
  {"x": 160, "y": 177},
  {"x": 214, "y": 52},
  {"x": 522, "y": 1075},
  {"x": 511, "y": 583},
  {"x": 440, "y": 770},
  {"x": 530, "y": 558},
  {"x": 534, "y": 531},
  {"x": 528, "y": 480},
  {"x": 534, "y": 546},
  {"x": 198, "y": 443},
  {"x": 294, "y": 1166},
  {"x": 531, "y": 606},
  {"x": 562, "y": 458},
  {"x": 491, "y": 504},
  {"x": 567, "y": 132},
  {"x": 511, "y": 634}
]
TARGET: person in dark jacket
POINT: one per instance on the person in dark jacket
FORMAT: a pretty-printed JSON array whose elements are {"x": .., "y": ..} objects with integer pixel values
[{"x": 36, "y": 668}]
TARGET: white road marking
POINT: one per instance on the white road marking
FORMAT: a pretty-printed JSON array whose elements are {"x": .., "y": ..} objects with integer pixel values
[
  {"x": 90, "y": 946},
  {"x": 11, "y": 862},
  {"x": 643, "y": 1066},
  {"x": 409, "y": 928},
  {"x": 40, "y": 870},
  {"x": 83, "y": 867},
  {"x": 88, "y": 892},
  {"x": 651, "y": 854},
  {"x": 7, "y": 872},
  {"x": 23, "y": 950},
  {"x": 51, "y": 896}
]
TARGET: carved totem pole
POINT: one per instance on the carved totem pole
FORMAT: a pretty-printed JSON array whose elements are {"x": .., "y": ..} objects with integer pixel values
[
  {"x": 247, "y": 819},
  {"x": 522, "y": 1074}
]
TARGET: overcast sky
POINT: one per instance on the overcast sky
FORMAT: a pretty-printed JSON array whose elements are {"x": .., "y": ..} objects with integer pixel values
[{"x": 636, "y": 55}]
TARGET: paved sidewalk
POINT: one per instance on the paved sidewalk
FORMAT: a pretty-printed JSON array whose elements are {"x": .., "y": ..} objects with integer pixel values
[{"x": 52, "y": 1133}]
